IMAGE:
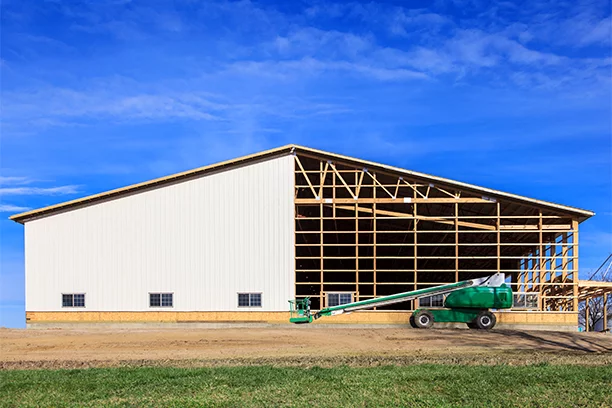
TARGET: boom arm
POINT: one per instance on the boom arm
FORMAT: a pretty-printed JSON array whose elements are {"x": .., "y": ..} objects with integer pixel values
[{"x": 306, "y": 317}]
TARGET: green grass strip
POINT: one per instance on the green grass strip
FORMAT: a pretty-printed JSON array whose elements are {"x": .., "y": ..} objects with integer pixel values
[{"x": 264, "y": 386}]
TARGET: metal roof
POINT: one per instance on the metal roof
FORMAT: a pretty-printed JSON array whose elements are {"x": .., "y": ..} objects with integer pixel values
[{"x": 288, "y": 149}]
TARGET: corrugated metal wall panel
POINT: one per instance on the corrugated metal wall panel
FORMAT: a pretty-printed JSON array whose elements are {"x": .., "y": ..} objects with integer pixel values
[{"x": 205, "y": 240}]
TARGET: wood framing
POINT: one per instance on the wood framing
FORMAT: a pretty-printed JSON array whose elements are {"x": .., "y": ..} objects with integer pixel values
[{"x": 379, "y": 232}]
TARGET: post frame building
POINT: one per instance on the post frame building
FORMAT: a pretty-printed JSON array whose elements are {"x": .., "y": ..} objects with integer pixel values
[{"x": 234, "y": 241}]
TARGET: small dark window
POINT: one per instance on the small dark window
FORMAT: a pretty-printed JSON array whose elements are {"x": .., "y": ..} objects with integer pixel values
[
  {"x": 432, "y": 301},
  {"x": 161, "y": 300},
  {"x": 73, "y": 300},
  {"x": 337, "y": 299},
  {"x": 249, "y": 300}
]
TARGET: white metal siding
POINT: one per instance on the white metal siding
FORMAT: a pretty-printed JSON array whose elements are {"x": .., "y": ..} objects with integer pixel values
[{"x": 205, "y": 240}]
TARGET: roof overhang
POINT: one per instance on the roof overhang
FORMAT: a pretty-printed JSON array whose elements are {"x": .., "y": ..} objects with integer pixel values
[{"x": 590, "y": 289}]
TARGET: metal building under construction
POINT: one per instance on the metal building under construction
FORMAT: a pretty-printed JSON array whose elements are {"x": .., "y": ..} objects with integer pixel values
[{"x": 234, "y": 241}]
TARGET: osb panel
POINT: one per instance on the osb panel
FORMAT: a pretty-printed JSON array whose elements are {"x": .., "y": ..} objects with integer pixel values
[
  {"x": 562, "y": 318},
  {"x": 108, "y": 317},
  {"x": 368, "y": 317}
]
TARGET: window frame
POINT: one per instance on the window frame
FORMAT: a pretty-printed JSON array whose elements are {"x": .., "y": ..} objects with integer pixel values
[
  {"x": 250, "y": 305},
  {"x": 430, "y": 303},
  {"x": 327, "y": 294},
  {"x": 532, "y": 305},
  {"x": 72, "y": 306},
  {"x": 161, "y": 303}
]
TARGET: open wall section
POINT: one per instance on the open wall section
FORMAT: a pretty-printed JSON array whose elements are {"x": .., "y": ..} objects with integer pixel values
[{"x": 371, "y": 232}]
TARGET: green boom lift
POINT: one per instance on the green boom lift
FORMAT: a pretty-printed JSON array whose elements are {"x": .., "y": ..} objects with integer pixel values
[{"x": 468, "y": 302}]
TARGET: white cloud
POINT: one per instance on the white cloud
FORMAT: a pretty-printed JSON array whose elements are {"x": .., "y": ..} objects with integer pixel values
[
  {"x": 21, "y": 191},
  {"x": 13, "y": 208},
  {"x": 100, "y": 102},
  {"x": 14, "y": 180},
  {"x": 304, "y": 67}
]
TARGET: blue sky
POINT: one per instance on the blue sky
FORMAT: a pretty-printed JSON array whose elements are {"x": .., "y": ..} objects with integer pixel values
[{"x": 99, "y": 94}]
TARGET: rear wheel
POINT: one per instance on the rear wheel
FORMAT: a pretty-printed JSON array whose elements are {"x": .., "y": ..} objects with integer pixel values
[
  {"x": 412, "y": 322},
  {"x": 423, "y": 319},
  {"x": 485, "y": 320},
  {"x": 471, "y": 325}
]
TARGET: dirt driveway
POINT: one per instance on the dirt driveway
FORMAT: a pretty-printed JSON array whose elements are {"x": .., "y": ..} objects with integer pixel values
[{"x": 294, "y": 345}]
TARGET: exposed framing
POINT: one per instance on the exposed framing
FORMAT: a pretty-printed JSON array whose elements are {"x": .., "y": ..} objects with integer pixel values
[{"x": 373, "y": 232}]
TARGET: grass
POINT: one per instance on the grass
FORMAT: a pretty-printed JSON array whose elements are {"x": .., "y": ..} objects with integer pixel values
[{"x": 265, "y": 386}]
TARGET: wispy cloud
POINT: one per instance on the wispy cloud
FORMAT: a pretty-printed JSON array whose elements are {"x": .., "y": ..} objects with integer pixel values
[
  {"x": 14, "y": 180},
  {"x": 110, "y": 102},
  {"x": 40, "y": 191},
  {"x": 9, "y": 208}
]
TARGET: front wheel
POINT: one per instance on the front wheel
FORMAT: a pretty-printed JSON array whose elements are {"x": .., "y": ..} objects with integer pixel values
[
  {"x": 485, "y": 320},
  {"x": 423, "y": 319}
]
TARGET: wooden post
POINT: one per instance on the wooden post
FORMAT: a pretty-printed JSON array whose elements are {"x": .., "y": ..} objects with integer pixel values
[
  {"x": 415, "y": 241},
  {"x": 575, "y": 274},
  {"x": 541, "y": 264},
  {"x": 321, "y": 246},
  {"x": 605, "y": 312},
  {"x": 333, "y": 194},
  {"x": 357, "y": 242},
  {"x": 586, "y": 315},
  {"x": 498, "y": 226},
  {"x": 456, "y": 242},
  {"x": 374, "y": 239}
]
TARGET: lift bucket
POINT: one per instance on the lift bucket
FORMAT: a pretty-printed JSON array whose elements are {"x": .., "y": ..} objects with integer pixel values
[{"x": 300, "y": 311}]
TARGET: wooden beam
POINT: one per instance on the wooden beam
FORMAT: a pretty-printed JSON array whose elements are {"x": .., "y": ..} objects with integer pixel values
[
  {"x": 537, "y": 227},
  {"x": 497, "y": 227},
  {"x": 541, "y": 264},
  {"x": 397, "y": 187},
  {"x": 314, "y": 193},
  {"x": 374, "y": 254},
  {"x": 436, "y": 200},
  {"x": 414, "y": 188},
  {"x": 456, "y": 242},
  {"x": 321, "y": 237},
  {"x": 420, "y": 217},
  {"x": 359, "y": 184},
  {"x": 446, "y": 192},
  {"x": 342, "y": 180},
  {"x": 575, "y": 275},
  {"x": 605, "y": 312},
  {"x": 586, "y": 314},
  {"x": 322, "y": 179},
  {"x": 378, "y": 182}
]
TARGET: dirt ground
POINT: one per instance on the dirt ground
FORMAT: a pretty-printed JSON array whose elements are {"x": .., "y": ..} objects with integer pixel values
[{"x": 295, "y": 345}]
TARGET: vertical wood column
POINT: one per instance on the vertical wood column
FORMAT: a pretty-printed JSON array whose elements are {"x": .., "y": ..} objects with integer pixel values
[
  {"x": 498, "y": 228},
  {"x": 541, "y": 265},
  {"x": 586, "y": 314},
  {"x": 456, "y": 242},
  {"x": 415, "y": 241},
  {"x": 575, "y": 274},
  {"x": 356, "y": 239},
  {"x": 605, "y": 311},
  {"x": 374, "y": 233},
  {"x": 567, "y": 304},
  {"x": 321, "y": 237},
  {"x": 606, "y": 303}
]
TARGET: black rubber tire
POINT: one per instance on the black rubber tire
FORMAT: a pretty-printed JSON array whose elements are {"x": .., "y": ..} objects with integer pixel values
[
  {"x": 485, "y": 320},
  {"x": 472, "y": 325},
  {"x": 423, "y": 319},
  {"x": 412, "y": 323}
]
